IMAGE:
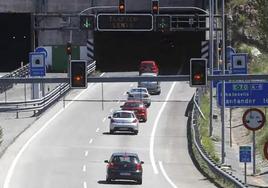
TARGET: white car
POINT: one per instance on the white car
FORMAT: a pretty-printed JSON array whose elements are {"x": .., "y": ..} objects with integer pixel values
[
  {"x": 123, "y": 120},
  {"x": 139, "y": 96},
  {"x": 138, "y": 90}
]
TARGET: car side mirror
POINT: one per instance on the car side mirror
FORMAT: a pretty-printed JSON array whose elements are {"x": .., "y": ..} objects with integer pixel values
[
  {"x": 127, "y": 92},
  {"x": 106, "y": 161},
  {"x": 109, "y": 117},
  {"x": 121, "y": 106},
  {"x": 142, "y": 162}
]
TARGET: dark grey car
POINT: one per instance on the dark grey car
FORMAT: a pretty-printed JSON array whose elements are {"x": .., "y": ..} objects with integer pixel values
[{"x": 124, "y": 166}]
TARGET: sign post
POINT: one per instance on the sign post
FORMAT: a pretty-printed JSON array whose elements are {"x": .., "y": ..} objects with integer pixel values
[
  {"x": 245, "y": 157},
  {"x": 253, "y": 119}
]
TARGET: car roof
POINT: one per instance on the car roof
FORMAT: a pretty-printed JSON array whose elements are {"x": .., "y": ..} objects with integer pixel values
[
  {"x": 148, "y": 74},
  {"x": 125, "y": 153},
  {"x": 139, "y": 88},
  {"x": 147, "y": 62}
]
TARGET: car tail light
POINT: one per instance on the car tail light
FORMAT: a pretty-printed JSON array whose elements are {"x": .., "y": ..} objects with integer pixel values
[
  {"x": 138, "y": 167},
  {"x": 110, "y": 165},
  {"x": 135, "y": 121}
]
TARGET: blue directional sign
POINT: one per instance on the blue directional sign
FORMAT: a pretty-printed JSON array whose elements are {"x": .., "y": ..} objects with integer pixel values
[
  {"x": 218, "y": 72},
  {"x": 37, "y": 64},
  {"x": 245, "y": 154},
  {"x": 239, "y": 63},
  {"x": 243, "y": 94}
]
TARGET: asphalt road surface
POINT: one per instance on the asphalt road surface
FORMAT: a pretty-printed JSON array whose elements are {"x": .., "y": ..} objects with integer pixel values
[{"x": 66, "y": 147}]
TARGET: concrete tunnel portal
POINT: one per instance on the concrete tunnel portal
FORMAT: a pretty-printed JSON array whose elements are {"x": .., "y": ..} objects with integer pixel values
[{"x": 123, "y": 51}]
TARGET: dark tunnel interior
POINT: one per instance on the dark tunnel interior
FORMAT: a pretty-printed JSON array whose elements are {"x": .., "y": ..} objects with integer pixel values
[{"x": 123, "y": 51}]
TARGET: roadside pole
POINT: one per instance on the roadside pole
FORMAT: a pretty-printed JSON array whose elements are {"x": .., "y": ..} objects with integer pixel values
[
  {"x": 245, "y": 167},
  {"x": 223, "y": 87},
  {"x": 211, "y": 61},
  {"x": 102, "y": 102},
  {"x": 231, "y": 141},
  {"x": 254, "y": 152}
]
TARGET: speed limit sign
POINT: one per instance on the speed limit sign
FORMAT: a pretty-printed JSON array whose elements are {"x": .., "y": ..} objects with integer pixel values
[
  {"x": 265, "y": 150},
  {"x": 253, "y": 119}
]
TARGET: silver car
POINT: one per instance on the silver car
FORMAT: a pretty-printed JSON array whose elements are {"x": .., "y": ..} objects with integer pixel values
[
  {"x": 139, "y": 96},
  {"x": 151, "y": 86},
  {"x": 138, "y": 89},
  {"x": 123, "y": 120}
]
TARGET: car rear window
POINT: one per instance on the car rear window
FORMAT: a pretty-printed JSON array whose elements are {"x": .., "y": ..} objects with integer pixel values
[
  {"x": 123, "y": 115},
  {"x": 125, "y": 158},
  {"x": 133, "y": 104}
]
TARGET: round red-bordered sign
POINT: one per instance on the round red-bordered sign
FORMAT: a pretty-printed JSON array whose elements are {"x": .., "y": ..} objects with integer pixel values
[
  {"x": 265, "y": 150},
  {"x": 253, "y": 119}
]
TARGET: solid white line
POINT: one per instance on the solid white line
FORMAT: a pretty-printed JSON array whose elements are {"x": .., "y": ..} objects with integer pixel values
[
  {"x": 97, "y": 130},
  {"x": 84, "y": 168},
  {"x": 85, "y": 184},
  {"x": 86, "y": 153},
  {"x": 165, "y": 175},
  {"x": 90, "y": 141},
  {"x": 104, "y": 119},
  {"x": 152, "y": 158},
  {"x": 16, "y": 159}
]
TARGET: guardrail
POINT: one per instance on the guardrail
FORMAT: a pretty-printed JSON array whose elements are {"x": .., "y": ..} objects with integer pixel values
[
  {"x": 213, "y": 166},
  {"x": 21, "y": 72},
  {"x": 44, "y": 102}
]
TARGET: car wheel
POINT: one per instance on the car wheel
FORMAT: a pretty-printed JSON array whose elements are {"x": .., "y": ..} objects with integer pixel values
[
  {"x": 108, "y": 180},
  {"x": 136, "y": 132},
  {"x": 111, "y": 131},
  {"x": 139, "y": 181},
  {"x": 145, "y": 119}
]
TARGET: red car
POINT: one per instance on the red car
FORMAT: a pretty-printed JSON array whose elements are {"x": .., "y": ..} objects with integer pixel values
[
  {"x": 148, "y": 66},
  {"x": 138, "y": 107}
]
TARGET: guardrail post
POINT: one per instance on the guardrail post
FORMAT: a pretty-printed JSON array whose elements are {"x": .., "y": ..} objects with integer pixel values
[
  {"x": 34, "y": 112},
  {"x": 17, "y": 113}
]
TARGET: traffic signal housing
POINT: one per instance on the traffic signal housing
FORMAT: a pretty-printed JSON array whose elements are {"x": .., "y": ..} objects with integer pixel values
[
  {"x": 155, "y": 6},
  {"x": 198, "y": 72},
  {"x": 121, "y": 6},
  {"x": 69, "y": 48},
  {"x": 78, "y": 74}
]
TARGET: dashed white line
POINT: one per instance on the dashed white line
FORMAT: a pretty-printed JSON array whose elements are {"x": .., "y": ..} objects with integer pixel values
[
  {"x": 152, "y": 158},
  {"x": 86, "y": 153},
  {"x": 85, "y": 184},
  {"x": 97, "y": 130},
  {"x": 104, "y": 119},
  {"x": 131, "y": 85},
  {"x": 165, "y": 175},
  {"x": 111, "y": 110},
  {"x": 84, "y": 168},
  {"x": 90, "y": 141},
  {"x": 15, "y": 161}
]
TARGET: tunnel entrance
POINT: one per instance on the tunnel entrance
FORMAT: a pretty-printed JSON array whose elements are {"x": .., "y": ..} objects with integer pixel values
[
  {"x": 123, "y": 51},
  {"x": 15, "y": 39}
]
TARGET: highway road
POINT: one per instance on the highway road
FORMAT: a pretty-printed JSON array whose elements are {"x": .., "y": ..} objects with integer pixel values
[{"x": 66, "y": 147}]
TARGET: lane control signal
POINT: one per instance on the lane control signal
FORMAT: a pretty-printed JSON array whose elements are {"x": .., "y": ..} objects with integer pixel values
[
  {"x": 198, "y": 72},
  {"x": 78, "y": 76},
  {"x": 155, "y": 6},
  {"x": 121, "y": 6}
]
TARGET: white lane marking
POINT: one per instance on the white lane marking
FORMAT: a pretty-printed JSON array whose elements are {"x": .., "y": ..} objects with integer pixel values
[
  {"x": 16, "y": 159},
  {"x": 86, "y": 153},
  {"x": 152, "y": 158},
  {"x": 90, "y": 141},
  {"x": 85, "y": 184},
  {"x": 111, "y": 110},
  {"x": 104, "y": 119},
  {"x": 131, "y": 85},
  {"x": 97, "y": 130},
  {"x": 165, "y": 175},
  {"x": 84, "y": 168}
]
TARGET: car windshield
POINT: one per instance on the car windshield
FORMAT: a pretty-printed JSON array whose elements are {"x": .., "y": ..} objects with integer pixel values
[
  {"x": 148, "y": 65},
  {"x": 125, "y": 159},
  {"x": 123, "y": 115}
]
